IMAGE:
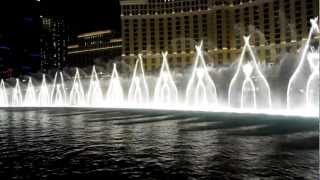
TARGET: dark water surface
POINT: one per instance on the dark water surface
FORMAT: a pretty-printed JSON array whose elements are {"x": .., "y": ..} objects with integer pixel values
[{"x": 131, "y": 144}]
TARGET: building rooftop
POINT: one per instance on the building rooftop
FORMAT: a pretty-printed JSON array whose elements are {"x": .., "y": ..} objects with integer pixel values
[{"x": 94, "y": 33}]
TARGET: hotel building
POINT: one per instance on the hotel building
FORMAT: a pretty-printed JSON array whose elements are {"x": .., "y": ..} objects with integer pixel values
[
  {"x": 176, "y": 26},
  {"x": 93, "y": 45}
]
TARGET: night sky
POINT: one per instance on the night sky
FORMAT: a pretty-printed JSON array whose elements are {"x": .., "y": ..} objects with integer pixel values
[{"x": 85, "y": 16}]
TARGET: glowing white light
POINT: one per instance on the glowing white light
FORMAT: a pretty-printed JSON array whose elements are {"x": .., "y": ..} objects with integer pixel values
[
  {"x": 94, "y": 95},
  {"x": 248, "y": 87},
  {"x": 201, "y": 90},
  {"x": 138, "y": 91},
  {"x": 3, "y": 95},
  {"x": 30, "y": 96},
  {"x": 291, "y": 90},
  {"x": 312, "y": 93},
  {"x": 16, "y": 94},
  {"x": 166, "y": 92},
  {"x": 58, "y": 93},
  {"x": 44, "y": 94},
  {"x": 77, "y": 97},
  {"x": 264, "y": 97},
  {"x": 115, "y": 92}
]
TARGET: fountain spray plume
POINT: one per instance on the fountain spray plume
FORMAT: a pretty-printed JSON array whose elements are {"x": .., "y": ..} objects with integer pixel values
[
  {"x": 77, "y": 97},
  {"x": 30, "y": 98},
  {"x": 201, "y": 89},
  {"x": 3, "y": 95},
  {"x": 139, "y": 90},
  {"x": 312, "y": 92},
  {"x": 294, "y": 86},
  {"x": 115, "y": 95},
  {"x": 166, "y": 92},
  {"x": 94, "y": 95},
  {"x": 262, "y": 92},
  {"x": 44, "y": 94},
  {"x": 58, "y": 93},
  {"x": 248, "y": 88},
  {"x": 16, "y": 95}
]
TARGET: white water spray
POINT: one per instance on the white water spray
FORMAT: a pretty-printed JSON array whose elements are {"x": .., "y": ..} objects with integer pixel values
[
  {"x": 262, "y": 91},
  {"x": 297, "y": 95},
  {"x": 166, "y": 92},
  {"x": 139, "y": 90},
  {"x": 201, "y": 89},
  {"x": 115, "y": 95},
  {"x": 94, "y": 95},
  {"x": 77, "y": 97},
  {"x": 3, "y": 95}
]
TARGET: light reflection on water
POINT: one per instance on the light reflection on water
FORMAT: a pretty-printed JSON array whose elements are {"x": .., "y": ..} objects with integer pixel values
[{"x": 42, "y": 143}]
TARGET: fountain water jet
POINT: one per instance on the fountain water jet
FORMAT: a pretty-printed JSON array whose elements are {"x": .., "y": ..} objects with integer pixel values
[
  {"x": 248, "y": 90},
  {"x": 77, "y": 97},
  {"x": 312, "y": 92},
  {"x": 166, "y": 92},
  {"x": 94, "y": 95},
  {"x": 3, "y": 95},
  {"x": 201, "y": 89},
  {"x": 138, "y": 91},
  {"x": 44, "y": 94},
  {"x": 16, "y": 95},
  {"x": 261, "y": 86},
  {"x": 297, "y": 86},
  {"x": 30, "y": 96},
  {"x": 58, "y": 93},
  {"x": 115, "y": 95}
]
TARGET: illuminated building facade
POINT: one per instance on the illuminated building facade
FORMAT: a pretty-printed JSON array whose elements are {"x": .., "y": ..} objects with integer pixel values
[
  {"x": 93, "y": 45},
  {"x": 52, "y": 42},
  {"x": 152, "y": 26}
]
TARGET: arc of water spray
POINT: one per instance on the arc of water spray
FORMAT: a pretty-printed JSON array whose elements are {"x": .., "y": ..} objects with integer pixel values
[
  {"x": 3, "y": 94},
  {"x": 135, "y": 91},
  {"x": 247, "y": 46},
  {"x": 115, "y": 92},
  {"x": 200, "y": 73},
  {"x": 247, "y": 71},
  {"x": 30, "y": 96},
  {"x": 165, "y": 90},
  {"x": 94, "y": 95},
  {"x": 58, "y": 94},
  {"x": 17, "y": 95},
  {"x": 77, "y": 96},
  {"x": 313, "y": 60},
  {"x": 314, "y": 27},
  {"x": 44, "y": 94}
]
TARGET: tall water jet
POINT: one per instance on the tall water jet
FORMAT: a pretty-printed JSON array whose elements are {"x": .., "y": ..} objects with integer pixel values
[
  {"x": 166, "y": 92},
  {"x": 16, "y": 95},
  {"x": 248, "y": 90},
  {"x": 312, "y": 94},
  {"x": 3, "y": 95},
  {"x": 44, "y": 94},
  {"x": 201, "y": 89},
  {"x": 77, "y": 97},
  {"x": 138, "y": 91},
  {"x": 252, "y": 78},
  {"x": 297, "y": 86},
  {"x": 58, "y": 93},
  {"x": 94, "y": 95},
  {"x": 30, "y": 98},
  {"x": 115, "y": 95}
]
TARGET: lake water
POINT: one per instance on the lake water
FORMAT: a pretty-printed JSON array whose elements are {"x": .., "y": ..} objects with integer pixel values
[{"x": 51, "y": 143}]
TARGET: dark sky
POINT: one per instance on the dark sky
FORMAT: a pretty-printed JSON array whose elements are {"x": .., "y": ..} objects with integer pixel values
[{"x": 88, "y": 15}]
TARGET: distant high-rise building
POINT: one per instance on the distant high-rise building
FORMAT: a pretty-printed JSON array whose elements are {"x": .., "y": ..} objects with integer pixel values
[
  {"x": 52, "y": 42},
  {"x": 92, "y": 46},
  {"x": 152, "y": 26}
]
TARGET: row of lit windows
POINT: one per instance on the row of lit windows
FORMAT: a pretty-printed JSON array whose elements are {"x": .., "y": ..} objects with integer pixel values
[{"x": 266, "y": 32}]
